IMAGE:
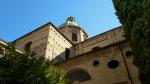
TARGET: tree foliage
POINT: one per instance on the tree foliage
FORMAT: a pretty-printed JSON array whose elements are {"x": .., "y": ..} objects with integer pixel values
[
  {"x": 134, "y": 15},
  {"x": 19, "y": 68}
]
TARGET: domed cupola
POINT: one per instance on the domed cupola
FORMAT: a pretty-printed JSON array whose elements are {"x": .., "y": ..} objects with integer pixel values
[
  {"x": 70, "y": 22},
  {"x": 73, "y": 31}
]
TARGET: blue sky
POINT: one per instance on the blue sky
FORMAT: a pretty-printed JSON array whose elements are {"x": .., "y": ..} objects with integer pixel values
[{"x": 18, "y": 17}]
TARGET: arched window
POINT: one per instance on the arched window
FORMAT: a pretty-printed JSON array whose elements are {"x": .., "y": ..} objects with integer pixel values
[
  {"x": 77, "y": 76},
  {"x": 74, "y": 37}
]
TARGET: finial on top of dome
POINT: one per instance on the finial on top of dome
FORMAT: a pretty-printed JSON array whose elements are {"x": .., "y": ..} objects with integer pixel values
[{"x": 72, "y": 19}]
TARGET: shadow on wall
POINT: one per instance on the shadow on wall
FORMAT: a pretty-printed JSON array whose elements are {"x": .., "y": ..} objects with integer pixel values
[{"x": 68, "y": 53}]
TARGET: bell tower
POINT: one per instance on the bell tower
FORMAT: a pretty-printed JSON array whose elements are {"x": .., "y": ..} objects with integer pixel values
[{"x": 73, "y": 31}]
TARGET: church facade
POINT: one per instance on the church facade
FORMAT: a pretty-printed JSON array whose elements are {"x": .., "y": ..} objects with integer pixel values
[{"x": 103, "y": 59}]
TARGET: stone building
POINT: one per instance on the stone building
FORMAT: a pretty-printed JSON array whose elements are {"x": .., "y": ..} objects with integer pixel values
[{"x": 103, "y": 59}]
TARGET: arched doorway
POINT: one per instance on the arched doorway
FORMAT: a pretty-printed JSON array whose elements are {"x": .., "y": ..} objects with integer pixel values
[{"x": 77, "y": 75}]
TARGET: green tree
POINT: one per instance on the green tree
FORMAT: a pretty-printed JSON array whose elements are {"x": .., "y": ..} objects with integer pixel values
[
  {"x": 19, "y": 68},
  {"x": 134, "y": 15}
]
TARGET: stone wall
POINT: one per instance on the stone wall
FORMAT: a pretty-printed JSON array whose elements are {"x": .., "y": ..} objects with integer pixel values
[
  {"x": 46, "y": 42},
  {"x": 103, "y": 72},
  {"x": 101, "y": 40}
]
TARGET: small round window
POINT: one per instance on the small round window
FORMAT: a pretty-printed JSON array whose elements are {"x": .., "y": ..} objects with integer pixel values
[
  {"x": 113, "y": 64},
  {"x": 128, "y": 53},
  {"x": 95, "y": 63}
]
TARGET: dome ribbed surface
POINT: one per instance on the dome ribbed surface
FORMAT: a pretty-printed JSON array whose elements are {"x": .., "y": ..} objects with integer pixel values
[{"x": 69, "y": 23}]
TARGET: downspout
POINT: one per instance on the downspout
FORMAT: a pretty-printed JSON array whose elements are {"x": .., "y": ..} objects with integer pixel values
[
  {"x": 129, "y": 76},
  {"x": 126, "y": 66}
]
